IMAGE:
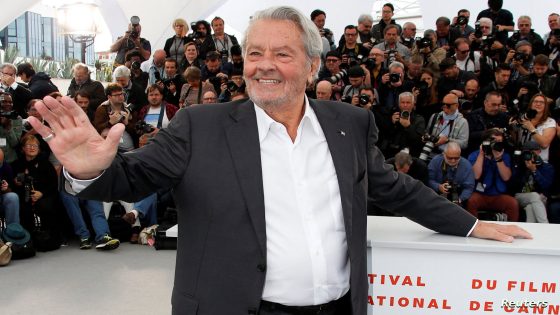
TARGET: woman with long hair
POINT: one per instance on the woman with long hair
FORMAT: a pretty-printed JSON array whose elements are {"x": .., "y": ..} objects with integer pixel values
[{"x": 537, "y": 125}]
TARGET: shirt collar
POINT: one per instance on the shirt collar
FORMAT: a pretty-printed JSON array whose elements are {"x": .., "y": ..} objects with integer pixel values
[{"x": 264, "y": 121}]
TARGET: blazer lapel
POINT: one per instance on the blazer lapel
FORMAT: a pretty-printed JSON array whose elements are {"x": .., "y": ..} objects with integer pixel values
[
  {"x": 243, "y": 139},
  {"x": 338, "y": 133}
]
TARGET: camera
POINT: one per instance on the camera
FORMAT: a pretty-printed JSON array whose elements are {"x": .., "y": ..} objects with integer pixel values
[
  {"x": 346, "y": 99},
  {"x": 134, "y": 34},
  {"x": 394, "y": 77},
  {"x": 462, "y": 20},
  {"x": 233, "y": 87},
  {"x": 521, "y": 156},
  {"x": 143, "y": 127},
  {"x": 528, "y": 114},
  {"x": 422, "y": 86},
  {"x": 405, "y": 114},
  {"x": 157, "y": 75},
  {"x": 489, "y": 146},
  {"x": 27, "y": 181},
  {"x": 520, "y": 56},
  {"x": 477, "y": 30},
  {"x": 12, "y": 114},
  {"x": 428, "y": 146},
  {"x": 391, "y": 56},
  {"x": 195, "y": 34},
  {"x": 224, "y": 54},
  {"x": 452, "y": 192},
  {"x": 135, "y": 65},
  {"x": 364, "y": 99},
  {"x": 218, "y": 80},
  {"x": 338, "y": 76},
  {"x": 423, "y": 42}
]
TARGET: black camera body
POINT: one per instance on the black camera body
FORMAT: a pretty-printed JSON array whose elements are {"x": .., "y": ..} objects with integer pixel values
[
  {"x": 394, "y": 77},
  {"x": 422, "y": 86},
  {"x": 452, "y": 191},
  {"x": 520, "y": 56},
  {"x": 462, "y": 20},
  {"x": 477, "y": 30},
  {"x": 405, "y": 114},
  {"x": 142, "y": 127},
  {"x": 489, "y": 146},
  {"x": 429, "y": 144},
  {"x": 233, "y": 87},
  {"x": 423, "y": 42},
  {"x": 27, "y": 181},
  {"x": 9, "y": 114},
  {"x": 364, "y": 99}
]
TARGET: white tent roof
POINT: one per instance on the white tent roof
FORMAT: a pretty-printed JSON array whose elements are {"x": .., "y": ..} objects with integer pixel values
[{"x": 156, "y": 16}]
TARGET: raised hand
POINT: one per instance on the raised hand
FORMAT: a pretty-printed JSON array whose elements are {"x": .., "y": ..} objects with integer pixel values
[{"x": 73, "y": 139}]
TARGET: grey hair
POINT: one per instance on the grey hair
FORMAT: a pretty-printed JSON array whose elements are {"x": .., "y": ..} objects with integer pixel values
[
  {"x": 8, "y": 65},
  {"x": 309, "y": 33},
  {"x": 365, "y": 18},
  {"x": 452, "y": 145},
  {"x": 80, "y": 65},
  {"x": 407, "y": 94},
  {"x": 396, "y": 64},
  {"x": 525, "y": 17},
  {"x": 121, "y": 72},
  {"x": 486, "y": 21},
  {"x": 402, "y": 159}
]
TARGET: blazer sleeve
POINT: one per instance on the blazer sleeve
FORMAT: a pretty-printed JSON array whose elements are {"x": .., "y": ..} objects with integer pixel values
[
  {"x": 159, "y": 164},
  {"x": 406, "y": 196}
]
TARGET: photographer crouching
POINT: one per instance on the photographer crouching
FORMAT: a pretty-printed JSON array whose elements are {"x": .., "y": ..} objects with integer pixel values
[
  {"x": 531, "y": 181},
  {"x": 451, "y": 175},
  {"x": 10, "y": 127},
  {"x": 155, "y": 115}
]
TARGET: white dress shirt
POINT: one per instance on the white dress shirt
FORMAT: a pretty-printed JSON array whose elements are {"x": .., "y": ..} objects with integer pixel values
[{"x": 307, "y": 253}]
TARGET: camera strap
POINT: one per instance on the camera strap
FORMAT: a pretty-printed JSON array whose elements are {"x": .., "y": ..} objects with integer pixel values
[{"x": 161, "y": 113}]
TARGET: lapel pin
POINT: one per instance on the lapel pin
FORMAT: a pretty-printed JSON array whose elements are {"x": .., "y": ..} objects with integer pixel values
[{"x": 342, "y": 133}]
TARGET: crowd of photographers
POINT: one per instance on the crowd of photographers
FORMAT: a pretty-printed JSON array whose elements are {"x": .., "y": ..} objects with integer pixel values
[{"x": 469, "y": 108}]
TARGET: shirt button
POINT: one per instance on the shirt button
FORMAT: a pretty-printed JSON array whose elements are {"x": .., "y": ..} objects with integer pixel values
[{"x": 261, "y": 267}]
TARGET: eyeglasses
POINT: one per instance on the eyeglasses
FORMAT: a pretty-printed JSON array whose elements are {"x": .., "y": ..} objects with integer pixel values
[
  {"x": 31, "y": 146},
  {"x": 485, "y": 27},
  {"x": 452, "y": 158},
  {"x": 332, "y": 60}
]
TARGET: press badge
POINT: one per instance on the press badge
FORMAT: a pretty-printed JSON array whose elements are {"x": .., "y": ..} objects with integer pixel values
[{"x": 3, "y": 142}]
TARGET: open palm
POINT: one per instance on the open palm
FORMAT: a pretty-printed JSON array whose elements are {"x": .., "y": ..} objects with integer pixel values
[{"x": 76, "y": 143}]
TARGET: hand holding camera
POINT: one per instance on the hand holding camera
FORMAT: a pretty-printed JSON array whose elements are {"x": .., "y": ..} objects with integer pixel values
[
  {"x": 444, "y": 188},
  {"x": 36, "y": 195},
  {"x": 4, "y": 186}
]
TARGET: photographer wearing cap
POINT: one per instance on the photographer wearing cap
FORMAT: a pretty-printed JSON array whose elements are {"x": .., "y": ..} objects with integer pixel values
[
  {"x": 357, "y": 78},
  {"x": 137, "y": 76},
  {"x": 531, "y": 181},
  {"x": 131, "y": 40},
  {"x": 492, "y": 172},
  {"x": 451, "y": 175}
]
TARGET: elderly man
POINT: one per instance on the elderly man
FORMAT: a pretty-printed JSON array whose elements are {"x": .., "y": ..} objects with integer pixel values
[
  {"x": 133, "y": 93},
  {"x": 406, "y": 128},
  {"x": 155, "y": 67},
  {"x": 245, "y": 177},
  {"x": 209, "y": 97},
  {"x": 21, "y": 95},
  {"x": 408, "y": 34},
  {"x": 323, "y": 91},
  {"x": 83, "y": 82},
  {"x": 448, "y": 125}
]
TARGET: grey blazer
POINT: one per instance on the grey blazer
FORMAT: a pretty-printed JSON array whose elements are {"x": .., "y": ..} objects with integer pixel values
[{"x": 210, "y": 156}]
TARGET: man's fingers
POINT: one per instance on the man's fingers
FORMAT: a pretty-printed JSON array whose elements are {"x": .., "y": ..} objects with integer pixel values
[
  {"x": 46, "y": 112},
  {"x": 498, "y": 232},
  {"x": 64, "y": 118},
  {"x": 514, "y": 231},
  {"x": 38, "y": 126},
  {"x": 80, "y": 117},
  {"x": 114, "y": 135}
]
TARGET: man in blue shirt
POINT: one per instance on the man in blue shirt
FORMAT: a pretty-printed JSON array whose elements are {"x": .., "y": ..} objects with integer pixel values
[
  {"x": 451, "y": 175},
  {"x": 492, "y": 171}
]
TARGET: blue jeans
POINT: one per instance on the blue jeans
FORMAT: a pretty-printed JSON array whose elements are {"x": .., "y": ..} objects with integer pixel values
[
  {"x": 147, "y": 208},
  {"x": 10, "y": 207},
  {"x": 95, "y": 210}
]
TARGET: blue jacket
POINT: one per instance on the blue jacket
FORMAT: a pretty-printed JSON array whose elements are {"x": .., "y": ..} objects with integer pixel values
[
  {"x": 462, "y": 175},
  {"x": 543, "y": 178},
  {"x": 491, "y": 183}
]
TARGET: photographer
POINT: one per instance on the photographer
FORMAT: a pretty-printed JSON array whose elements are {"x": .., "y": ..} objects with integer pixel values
[
  {"x": 376, "y": 73},
  {"x": 531, "y": 182},
  {"x": 446, "y": 35},
  {"x": 501, "y": 84},
  {"x": 406, "y": 128},
  {"x": 451, "y": 175},
  {"x": 452, "y": 79},
  {"x": 232, "y": 88},
  {"x": 461, "y": 23},
  {"x": 387, "y": 12},
  {"x": 214, "y": 70},
  {"x": 426, "y": 49},
  {"x": 192, "y": 91},
  {"x": 202, "y": 37},
  {"x": 392, "y": 85},
  {"x": 175, "y": 46},
  {"x": 222, "y": 41},
  {"x": 365, "y": 99},
  {"x": 137, "y": 76},
  {"x": 466, "y": 59},
  {"x": 426, "y": 94},
  {"x": 492, "y": 171},
  {"x": 114, "y": 111},
  {"x": 156, "y": 114},
  {"x": 357, "y": 78},
  {"x": 408, "y": 35},
  {"x": 501, "y": 18},
  {"x": 133, "y": 93},
  {"x": 20, "y": 93},
  {"x": 448, "y": 125},
  {"x": 9, "y": 201},
  {"x": 10, "y": 127},
  {"x": 394, "y": 51},
  {"x": 155, "y": 67},
  {"x": 520, "y": 60},
  {"x": 535, "y": 125},
  {"x": 131, "y": 40},
  {"x": 350, "y": 49},
  {"x": 173, "y": 84},
  {"x": 482, "y": 119},
  {"x": 82, "y": 81},
  {"x": 366, "y": 38},
  {"x": 547, "y": 84},
  {"x": 334, "y": 74},
  {"x": 483, "y": 39},
  {"x": 318, "y": 17},
  {"x": 525, "y": 32}
]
